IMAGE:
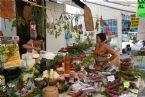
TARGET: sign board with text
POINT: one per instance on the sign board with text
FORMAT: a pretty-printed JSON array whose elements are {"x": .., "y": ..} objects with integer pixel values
[
  {"x": 10, "y": 55},
  {"x": 141, "y": 8},
  {"x": 134, "y": 21}
]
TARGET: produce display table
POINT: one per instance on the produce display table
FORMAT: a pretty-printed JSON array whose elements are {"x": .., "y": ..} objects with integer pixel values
[
  {"x": 81, "y": 77},
  {"x": 132, "y": 93}
]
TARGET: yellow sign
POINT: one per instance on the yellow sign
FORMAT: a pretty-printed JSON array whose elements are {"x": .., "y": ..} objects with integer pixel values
[
  {"x": 11, "y": 55},
  {"x": 134, "y": 21}
]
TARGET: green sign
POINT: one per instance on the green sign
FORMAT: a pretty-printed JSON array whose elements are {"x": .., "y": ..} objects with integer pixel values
[
  {"x": 126, "y": 84},
  {"x": 141, "y": 9}
]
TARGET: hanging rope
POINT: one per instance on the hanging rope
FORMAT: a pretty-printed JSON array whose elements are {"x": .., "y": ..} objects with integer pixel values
[
  {"x": 48, "y": 8},
  {"x": 41, "y": 6}
]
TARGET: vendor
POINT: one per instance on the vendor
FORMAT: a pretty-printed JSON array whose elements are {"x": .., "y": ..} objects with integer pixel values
[
  {"x": 34, "y": 45},
  {"x": 103, "y": 53},
  {"x": 128, "y": 49}
]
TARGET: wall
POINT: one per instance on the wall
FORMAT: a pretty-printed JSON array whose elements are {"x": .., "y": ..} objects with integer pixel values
[
  {"x": 6, "y": 25},
  {"x": 109, "y": 13},
  {"x": 54, "y": 44}
]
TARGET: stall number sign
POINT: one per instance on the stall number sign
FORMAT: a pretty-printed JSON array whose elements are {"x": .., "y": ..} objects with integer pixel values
[{"x": 141, "y": 9}]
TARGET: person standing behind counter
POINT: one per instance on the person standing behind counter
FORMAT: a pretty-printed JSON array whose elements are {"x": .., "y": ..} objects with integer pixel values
[
  {"x": 102, "y": 52},
  {"x": 34, "y": 45}
]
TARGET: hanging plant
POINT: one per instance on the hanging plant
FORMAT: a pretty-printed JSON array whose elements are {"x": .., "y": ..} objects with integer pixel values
[
  {"x": 39, "y": 12},
  {"x": 31, "y": 13},
  {"x": 55, "y": 28},
  {"x": 76, "y": 19},
  {"x": 66, "y": 21},
  {"x": 97, "y": 24},
  {"x": 18, "y": 22}
]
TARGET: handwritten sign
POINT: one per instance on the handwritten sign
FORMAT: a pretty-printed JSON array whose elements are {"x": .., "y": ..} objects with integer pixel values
[{"x": 141, "y": 9}]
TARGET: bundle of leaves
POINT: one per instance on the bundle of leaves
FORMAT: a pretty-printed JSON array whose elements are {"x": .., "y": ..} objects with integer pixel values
[
  {"x": 63, "y": 88},
  {"x": 53, "y": 62},
  {"x": 78, "y": 49}
]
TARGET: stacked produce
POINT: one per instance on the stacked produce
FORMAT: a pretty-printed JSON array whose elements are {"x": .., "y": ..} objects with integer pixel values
[{"x": 112, "y": 88}]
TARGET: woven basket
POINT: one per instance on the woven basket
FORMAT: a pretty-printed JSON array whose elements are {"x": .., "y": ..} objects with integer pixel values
[
  {"x": 27, "y": 12},
  {"x": 125, "y": 66},
  {"x": 50, "y": 91},
  {"x": 88, "y": 19}
]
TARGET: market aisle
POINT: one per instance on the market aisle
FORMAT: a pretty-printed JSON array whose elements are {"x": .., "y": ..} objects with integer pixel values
[{"x": 142, "y": 94}]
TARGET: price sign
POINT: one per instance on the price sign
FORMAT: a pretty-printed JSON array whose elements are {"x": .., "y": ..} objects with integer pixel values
[{"x": 111, "y": 78}]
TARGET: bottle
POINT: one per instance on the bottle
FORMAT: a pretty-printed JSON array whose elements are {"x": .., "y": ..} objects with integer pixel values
[{"x": 66, "y": 64}]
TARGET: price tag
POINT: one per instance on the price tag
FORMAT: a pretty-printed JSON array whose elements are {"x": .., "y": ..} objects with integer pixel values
[
  {"x": 123, "y": 95},
  {"x": 126, "y": 84},
  {"x": 111, "y": 78},
  {"x": 91, "y": 66}
]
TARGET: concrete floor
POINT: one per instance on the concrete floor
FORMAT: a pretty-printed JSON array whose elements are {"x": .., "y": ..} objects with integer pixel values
[{"x": 142, "y": 94}]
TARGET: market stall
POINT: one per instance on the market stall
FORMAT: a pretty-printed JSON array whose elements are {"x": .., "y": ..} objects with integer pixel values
[
  {"x": 73, "y": 71},
  {"x": 70, "y": 73}
]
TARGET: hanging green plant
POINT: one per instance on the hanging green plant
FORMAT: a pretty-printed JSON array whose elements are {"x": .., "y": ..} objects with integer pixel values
[
  {"x": 134, "y": 40},
  {"x": 76, "y": 19},
  {"x": 39, "y": 12},
  {"x": 38, "y": 15},
  {"x": 19, "y": 21},
  {"x": 66, "y": 26},
  {"x": 97, "y": 24},
  {"x": 57, "y": 27}
]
